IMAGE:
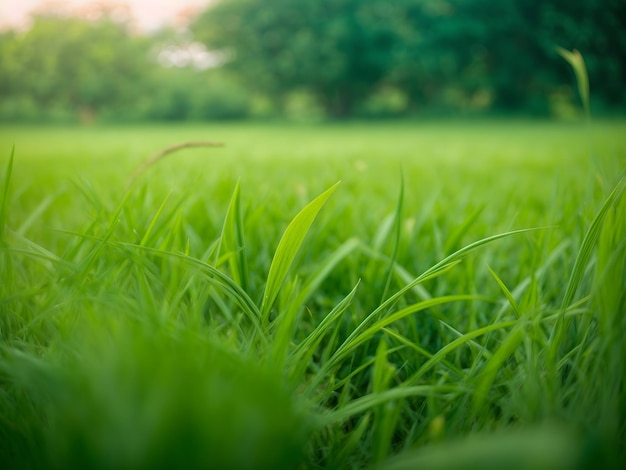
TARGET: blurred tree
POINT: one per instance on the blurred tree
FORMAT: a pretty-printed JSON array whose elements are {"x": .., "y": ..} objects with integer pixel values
[
  {"x": 473, "y": 54},
  {"x": 313, "y": 57},
  {"x": 83, "y": 67},
  {"x": 336, "y": 49}
]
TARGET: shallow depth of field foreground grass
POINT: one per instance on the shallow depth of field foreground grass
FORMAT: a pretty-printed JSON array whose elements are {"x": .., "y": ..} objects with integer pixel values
[{"x": 457, "y": 300}]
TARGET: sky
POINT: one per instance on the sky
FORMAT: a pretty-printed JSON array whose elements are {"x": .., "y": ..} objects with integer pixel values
[{"x": 148, "y": 14}]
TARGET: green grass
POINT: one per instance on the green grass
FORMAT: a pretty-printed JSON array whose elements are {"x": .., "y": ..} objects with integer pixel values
[{"x": 366, "y": 295}]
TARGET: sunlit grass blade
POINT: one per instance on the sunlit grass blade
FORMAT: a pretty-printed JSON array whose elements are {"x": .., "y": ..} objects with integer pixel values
[
  {"x": 233, "y": 241},
  {"x": 288, "y": 248},
  {"x": 507, "y": 293},
  {"x": 576, "y": 61},
  {"x": 36, "y": 213},
  {"x": 36, "y": 251},
  {"x": 154, "y": 220}
]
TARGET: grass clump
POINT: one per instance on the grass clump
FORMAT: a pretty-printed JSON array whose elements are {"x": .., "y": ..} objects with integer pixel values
[{"x": 285, "y": 321}]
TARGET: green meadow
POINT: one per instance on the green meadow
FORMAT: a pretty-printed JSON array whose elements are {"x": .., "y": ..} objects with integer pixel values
[{"x": 396, "y": 295}]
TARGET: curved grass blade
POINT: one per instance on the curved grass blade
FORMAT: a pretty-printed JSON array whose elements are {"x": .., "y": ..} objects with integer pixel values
[
  {"x": 288, "y": 248},
  {"x": 355, "y": 341},
  {"x": 457, "y": 234},
  {"x": 507, "y": 293},
  {"x": 586, "y": 248},
  {"x": 439, "y": 268},
  {"x": 448, "y": 348},
  {"x": 576, "y": 61},
  {"x": 305, "y": 350},
  {"x": 367, "y": 402}
]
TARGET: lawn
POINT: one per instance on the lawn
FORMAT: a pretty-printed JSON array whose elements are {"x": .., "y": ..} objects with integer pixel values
[{"x": 348, "y": 295}]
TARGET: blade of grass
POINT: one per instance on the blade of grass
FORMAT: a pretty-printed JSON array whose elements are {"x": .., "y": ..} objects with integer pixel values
[
  {"x": 507, "y": 293},
  {"x": 396, "y": 241},
  {"x": 154, "y": 220},
  {"x": 354, "y": 341},
  {"x": 460, "y": 230},
  {"x": 576, "y": 61},
  {"x": 457, "y": 343},
  {"x": 486, "y": 379},
  {"x": 587, "y": 246},
  {"x": 374, "y": 399},
  {"x": 288, "y": 248},
  {"x": 384, "y": 415},
  {"x": 578, "y": 272},
  {"x": 233, "y": 240}
]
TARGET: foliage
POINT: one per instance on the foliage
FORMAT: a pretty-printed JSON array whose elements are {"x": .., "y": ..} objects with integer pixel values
[
  {"x": 70, "y": 69},
  {"x": 468, "y": 55},
  {"x": 307, "y": 59},
  {"x": 69, "y": 64}
]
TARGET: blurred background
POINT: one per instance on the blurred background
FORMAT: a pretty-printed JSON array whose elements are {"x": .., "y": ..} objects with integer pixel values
[{"x": 196, "y": 60}]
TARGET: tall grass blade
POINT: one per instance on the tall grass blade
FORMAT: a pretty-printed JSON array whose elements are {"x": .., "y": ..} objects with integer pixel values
[
  {"x": 396, "y": 241},
  {"x": 154, "y": 220},
  {"x": 233, "y": 240},
  {"x": 385, "y": 415},
  {"x": 576, "y": 61},
  {"x": 288, "y": 248},
  {"x": 588, "y": 243}
]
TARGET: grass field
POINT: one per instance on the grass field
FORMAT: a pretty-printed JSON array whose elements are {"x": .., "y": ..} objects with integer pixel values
[{"x": 456, "y": 301}]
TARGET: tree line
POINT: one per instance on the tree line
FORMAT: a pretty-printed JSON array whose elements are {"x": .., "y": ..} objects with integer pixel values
[{"x": 320, "y": 58}]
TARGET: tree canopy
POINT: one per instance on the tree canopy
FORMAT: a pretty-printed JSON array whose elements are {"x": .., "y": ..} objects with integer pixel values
[
  {"x": 472, "y": 53},
  {"x": 337, "y": 58}
]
